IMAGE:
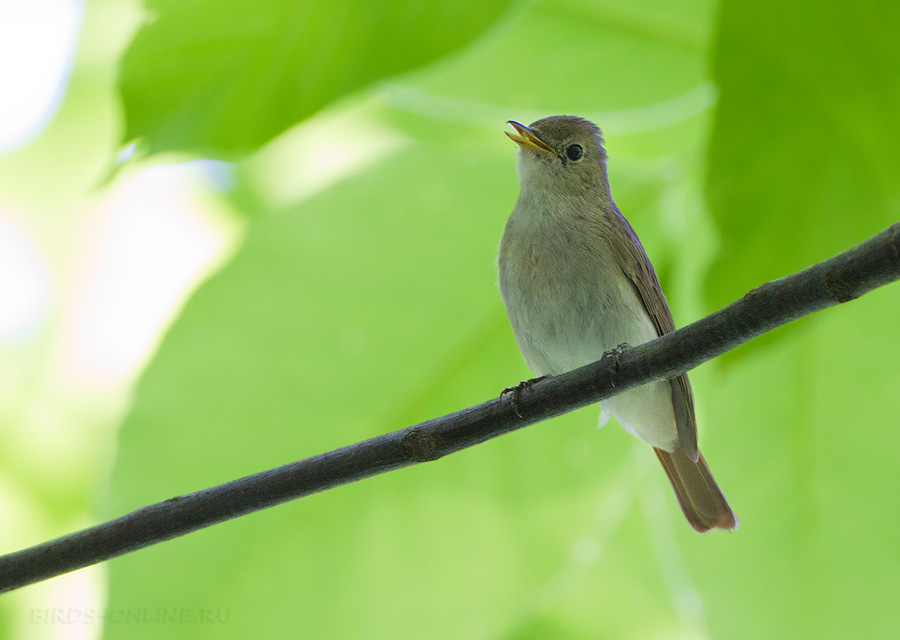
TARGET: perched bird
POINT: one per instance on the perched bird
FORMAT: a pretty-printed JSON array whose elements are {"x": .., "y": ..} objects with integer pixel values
[{"x": 576, "y": 283}]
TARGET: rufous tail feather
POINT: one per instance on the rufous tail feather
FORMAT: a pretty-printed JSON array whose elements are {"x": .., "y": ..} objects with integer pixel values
[{"x": 702, "y": 502}]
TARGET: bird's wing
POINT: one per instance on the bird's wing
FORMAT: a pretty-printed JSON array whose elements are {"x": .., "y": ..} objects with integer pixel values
[{"x": 637, "y": 268}]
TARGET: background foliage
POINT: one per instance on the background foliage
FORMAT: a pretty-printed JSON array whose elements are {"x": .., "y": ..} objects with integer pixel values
[{"x": 746, "y": 142}]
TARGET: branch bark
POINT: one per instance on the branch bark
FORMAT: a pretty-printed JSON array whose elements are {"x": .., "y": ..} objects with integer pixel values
[{"x": 842, "y": 278}]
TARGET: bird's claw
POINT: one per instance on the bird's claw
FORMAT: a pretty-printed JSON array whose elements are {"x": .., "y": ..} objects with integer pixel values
[
  {"x": 614, "y": 353},
  {"x": 516, "y": 391}
]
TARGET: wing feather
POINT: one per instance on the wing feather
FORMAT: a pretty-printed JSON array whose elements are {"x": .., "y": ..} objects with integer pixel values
[{"x": 637, "y": 268}]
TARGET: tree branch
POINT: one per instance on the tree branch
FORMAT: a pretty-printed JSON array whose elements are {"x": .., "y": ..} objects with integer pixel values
[{"x": 842, "y": 278}]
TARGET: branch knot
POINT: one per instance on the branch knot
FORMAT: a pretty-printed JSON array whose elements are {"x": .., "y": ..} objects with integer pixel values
[
  {"x": 837, "y": 289},
  {"x": 420, "y": 446}
]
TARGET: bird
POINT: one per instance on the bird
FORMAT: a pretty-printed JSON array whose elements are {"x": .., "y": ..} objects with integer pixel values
[{"x": 577, "y": 283}]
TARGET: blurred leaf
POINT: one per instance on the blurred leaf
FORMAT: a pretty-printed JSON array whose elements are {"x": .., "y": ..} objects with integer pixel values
[
  {"x": 803, "y": 158},
  {"x": 808, "y": 435},
  {"x": 566, "y": 56},
  {"x": 221, "y": 80},
  {"x": 803, "y": 165}
]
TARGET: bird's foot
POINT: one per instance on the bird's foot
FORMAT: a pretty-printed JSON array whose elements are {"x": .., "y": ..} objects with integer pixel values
[
  {"x": 614, "y": 353},
  {"x": 517, "y": 390}
]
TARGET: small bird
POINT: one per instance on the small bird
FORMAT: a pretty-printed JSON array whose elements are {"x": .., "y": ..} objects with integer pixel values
[{"x": 576, "y": 283}]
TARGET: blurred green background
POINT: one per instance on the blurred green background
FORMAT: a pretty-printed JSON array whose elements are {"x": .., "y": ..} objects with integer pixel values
[{"x": 298, "y": 253}]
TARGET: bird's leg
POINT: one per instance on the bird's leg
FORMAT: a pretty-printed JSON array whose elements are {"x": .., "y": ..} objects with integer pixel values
[
  {"x": 517, "y": 390},
  {"x": 614, "y": 353}
]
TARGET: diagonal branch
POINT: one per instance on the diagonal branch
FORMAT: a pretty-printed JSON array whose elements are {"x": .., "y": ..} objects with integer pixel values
[{"x": 842, "y": 278}]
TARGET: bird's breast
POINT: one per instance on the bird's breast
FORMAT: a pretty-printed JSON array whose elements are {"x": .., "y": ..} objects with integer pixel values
[{"x": 566, "y": 294}]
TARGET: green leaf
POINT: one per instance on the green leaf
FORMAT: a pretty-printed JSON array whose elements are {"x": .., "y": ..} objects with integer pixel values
[
  {"x": 222, "y": 79},
  {"x": 803, "y": 157},
  {"x": 803, "y": 164},
  {"x": 583, "y": 58},
  {"x": 806, "y": 443}
]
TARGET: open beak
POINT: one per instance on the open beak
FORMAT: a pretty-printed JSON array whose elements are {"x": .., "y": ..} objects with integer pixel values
[{"x": 527, "y": 139}]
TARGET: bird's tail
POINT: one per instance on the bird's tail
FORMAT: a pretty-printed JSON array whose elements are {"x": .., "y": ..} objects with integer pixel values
[{"x": 702, "y": 502}]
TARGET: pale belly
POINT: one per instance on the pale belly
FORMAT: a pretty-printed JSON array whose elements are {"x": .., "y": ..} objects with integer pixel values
[{"x": 567, "y": 317}]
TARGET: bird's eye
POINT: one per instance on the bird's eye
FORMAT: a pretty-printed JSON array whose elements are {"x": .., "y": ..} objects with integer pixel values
[{"x": 574, "y": 152}]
